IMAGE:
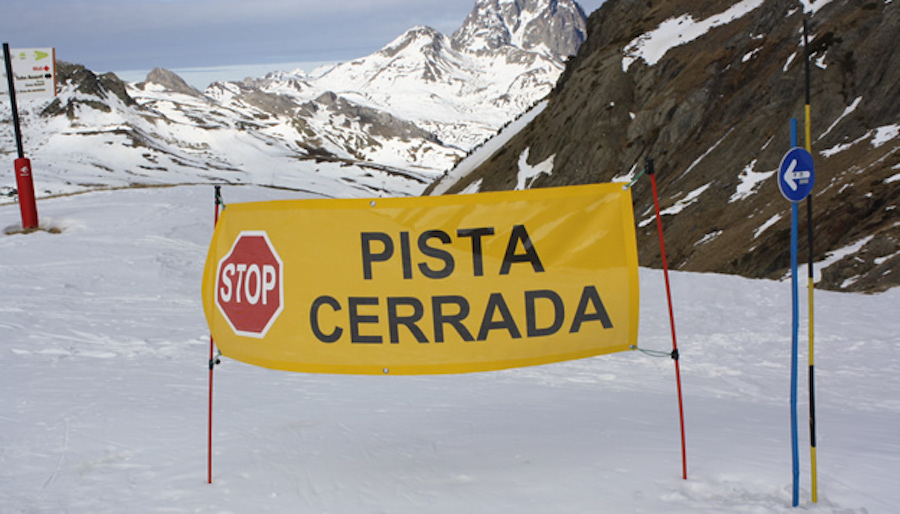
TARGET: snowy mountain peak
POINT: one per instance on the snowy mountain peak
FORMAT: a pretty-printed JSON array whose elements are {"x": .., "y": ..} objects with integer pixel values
[
  {"x": 168, "y": 81},
  {"x": 505, "y": 56},
  {"x": 553, "y": 27},
  {"x": 416, "y": 37}
]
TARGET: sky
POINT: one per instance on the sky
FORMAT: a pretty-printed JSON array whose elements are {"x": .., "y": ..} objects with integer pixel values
[{"x": 220, "y": 36}]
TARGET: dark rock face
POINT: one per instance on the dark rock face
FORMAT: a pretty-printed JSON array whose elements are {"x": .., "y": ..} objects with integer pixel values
[
  {"x": 170, "y": 81},
  {"x": 378, "y": 123},
  {"x": 89, "y": 86},
  {"x": 714, "y": 113},
  {"x": 556, "y": 25}
]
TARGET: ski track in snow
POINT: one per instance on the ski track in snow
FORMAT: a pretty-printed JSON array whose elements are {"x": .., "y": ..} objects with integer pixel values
[{"x": 104, "y": 385}]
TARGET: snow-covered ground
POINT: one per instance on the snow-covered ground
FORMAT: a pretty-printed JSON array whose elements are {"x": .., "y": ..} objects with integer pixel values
[{"x": 104, "y": 383}]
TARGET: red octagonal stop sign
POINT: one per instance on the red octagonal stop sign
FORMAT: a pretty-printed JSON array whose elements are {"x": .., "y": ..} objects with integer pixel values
[{"x": 249, "y": 285}]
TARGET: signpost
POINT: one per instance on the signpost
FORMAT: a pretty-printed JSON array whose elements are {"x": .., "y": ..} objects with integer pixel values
[
  {"x": 34, "y": 70},
  {"x": 29, "y": 72},
  {"x": 796, "y": 178},
  {"x": 424, "y": 285}
]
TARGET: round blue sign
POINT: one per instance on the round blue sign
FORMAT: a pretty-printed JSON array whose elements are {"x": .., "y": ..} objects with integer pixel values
[{"x": 796, "y": 176}]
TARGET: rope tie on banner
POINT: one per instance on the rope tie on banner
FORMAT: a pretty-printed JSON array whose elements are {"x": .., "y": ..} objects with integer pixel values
[
  {"x": 219, "y": 200},
  {"x": 635, "y": 179},
  {"x": 215, "y": 361},
  {"x": 657, "y": 353}
]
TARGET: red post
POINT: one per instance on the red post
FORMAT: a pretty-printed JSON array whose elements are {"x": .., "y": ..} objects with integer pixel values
[
  {"x": 675, "y": 356},
  {"x": 25, "y": 187},
  {"x": 212, "y": 365},
  {"x": 210, "y": 428}
]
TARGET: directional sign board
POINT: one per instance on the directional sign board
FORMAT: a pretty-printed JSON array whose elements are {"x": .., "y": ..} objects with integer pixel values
[
  {"x": 796, "y": 176},
  {"x": 34, "y": 70}
]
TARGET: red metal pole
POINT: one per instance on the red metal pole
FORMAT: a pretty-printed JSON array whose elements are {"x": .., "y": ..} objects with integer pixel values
[
  {"x": 212, "y": 365},
  {"x": 25, "y": 188},
  {"x": 209, "y": 431},
  {"x": 675, "y": 356}
]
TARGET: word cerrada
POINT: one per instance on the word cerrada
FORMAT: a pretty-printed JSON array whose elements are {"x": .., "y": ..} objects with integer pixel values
[{"x": 366, "y": 313}]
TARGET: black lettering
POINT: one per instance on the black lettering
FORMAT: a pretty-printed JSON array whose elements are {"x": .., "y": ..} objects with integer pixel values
[
  {"x": 368, "y": 257},
  {"x": 455, "y": 320},
  {"x": 395, "y": 320},
  {"x": 405, "y": 255},
  {"x": 314, "y": 319},
  {"x": 520, "y": 234},
  {"x": 590, "y": 295},
  {"x": 497, "y": 303},
  {"x": 356, "y": 319},
  {"x": 531, "y": 313},
  {"x": 437, "y": 253},
  {"x": 477, "y": 249}
]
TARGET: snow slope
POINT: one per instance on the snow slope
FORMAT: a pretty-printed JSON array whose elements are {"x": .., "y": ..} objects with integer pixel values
[
  {"x": 104, "y": 390},
  {"x": 163, "y": 145}
]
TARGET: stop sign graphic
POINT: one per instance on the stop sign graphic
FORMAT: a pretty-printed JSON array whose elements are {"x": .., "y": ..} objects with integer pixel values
[{"x": 249, "y": 285}]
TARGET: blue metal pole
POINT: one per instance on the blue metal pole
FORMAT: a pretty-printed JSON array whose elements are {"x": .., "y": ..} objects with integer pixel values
[{"x": 795, "y": 329}]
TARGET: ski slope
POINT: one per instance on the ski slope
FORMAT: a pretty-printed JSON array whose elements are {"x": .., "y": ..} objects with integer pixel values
[{"x": 104, "y": 389}]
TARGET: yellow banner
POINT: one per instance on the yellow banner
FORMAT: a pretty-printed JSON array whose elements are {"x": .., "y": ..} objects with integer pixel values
[{"x": 447, "y": 284}]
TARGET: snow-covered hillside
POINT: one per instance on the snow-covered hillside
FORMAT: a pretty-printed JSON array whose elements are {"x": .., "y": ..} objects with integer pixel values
[
  {"x": 172, "y": 138},
  {"x": 104, "y": 386}
]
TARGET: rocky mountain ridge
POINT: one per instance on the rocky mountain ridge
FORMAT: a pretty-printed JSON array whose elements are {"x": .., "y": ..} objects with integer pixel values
[
  {"x": 530, "y": 25},
  {"x": 707, "y": 89}
]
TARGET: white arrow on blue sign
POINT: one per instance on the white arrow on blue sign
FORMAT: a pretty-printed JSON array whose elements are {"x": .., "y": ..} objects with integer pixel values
[{"x": 796, "y": 176}]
